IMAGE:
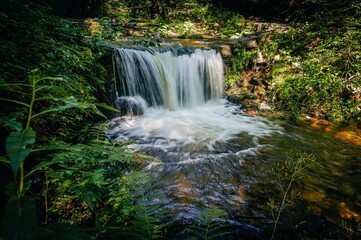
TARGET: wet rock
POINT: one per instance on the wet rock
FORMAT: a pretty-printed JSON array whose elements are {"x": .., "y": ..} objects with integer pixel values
[
  {"x": 240, "y": 98},
  {"x": 130, "y": 106}
]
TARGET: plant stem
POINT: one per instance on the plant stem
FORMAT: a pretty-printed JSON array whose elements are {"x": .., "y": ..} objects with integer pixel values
[
  {"x": 283, "y": 203},
  {"x": 21, "y": 184},
  {"x": 31, "y": 104}
]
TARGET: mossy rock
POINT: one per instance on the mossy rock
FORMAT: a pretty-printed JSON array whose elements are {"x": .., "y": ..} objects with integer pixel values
[{"x": 240, "y": 98}]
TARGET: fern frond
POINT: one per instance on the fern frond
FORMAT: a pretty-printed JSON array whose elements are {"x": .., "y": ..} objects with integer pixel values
[{"x": 209, "y": 227}]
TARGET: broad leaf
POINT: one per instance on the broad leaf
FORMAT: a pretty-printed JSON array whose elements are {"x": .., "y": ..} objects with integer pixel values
[
  {"x": 19, "y": 219},
  {"x": 106, "y": 106},
  {"x": 16, "y": 147},
  {"x": 70, "y": 102},
  {"x": 62, "y": 232}
]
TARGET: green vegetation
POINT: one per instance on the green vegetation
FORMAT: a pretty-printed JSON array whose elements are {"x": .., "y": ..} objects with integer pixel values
[
  {"x": 60, "y": 174},
  {"x": 242, "y": 59},
  {"x": 208, "y": 227},
  {"x": 315, "y": 66}
]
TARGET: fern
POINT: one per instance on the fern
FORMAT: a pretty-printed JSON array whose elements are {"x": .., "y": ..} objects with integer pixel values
[
  {"x": 145, "y": 223},
  {"x": 208, "y": 228},
  {"x": 95, "y": 132}
]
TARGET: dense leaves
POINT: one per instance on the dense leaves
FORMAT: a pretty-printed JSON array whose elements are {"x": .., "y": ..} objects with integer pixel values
[
  {"x": 33, "y": 38},
  {"x": 316, "y": 65},
  {"x": 314, "y": 68}
]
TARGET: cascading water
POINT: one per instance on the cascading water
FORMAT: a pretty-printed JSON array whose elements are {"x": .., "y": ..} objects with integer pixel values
[
  {"x": 183, "y": 90},
  {"x": 213, "y": 155},
  {"x": 170, "y": 79}
]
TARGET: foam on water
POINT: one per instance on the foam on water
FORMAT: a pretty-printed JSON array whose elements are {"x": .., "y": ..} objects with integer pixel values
[{"x": 204, "y": 126}]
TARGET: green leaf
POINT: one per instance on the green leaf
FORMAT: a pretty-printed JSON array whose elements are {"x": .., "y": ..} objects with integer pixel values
[
  {"x": 11, "y": 123},
  {"x": 34, "y": 76},
  {"x": 70, "y": 102},
  {"x": 62, "y": 232},
  {"x": 96, "y": 110},
  {"x": 4, "y": 160},
  {"x": 19, "y": 219},
  {"x": 14, "y": 101},
  {"x": 106, "y": 106},
  {"x": 16, "y": 147},
  {"x": 4, "y": 85},
  {"x": 41, "y": 166}
]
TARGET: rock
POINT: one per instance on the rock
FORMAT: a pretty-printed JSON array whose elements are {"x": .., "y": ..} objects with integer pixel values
[
  {"x": 225, "y": 50},
  {"x": 131, "y": 105},
  {"x": 251, "y": 44},
  {"x": 264, "y": 106}
]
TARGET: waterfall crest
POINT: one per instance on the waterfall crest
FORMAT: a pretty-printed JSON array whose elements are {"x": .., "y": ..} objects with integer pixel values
[{"x": 170, "y": 78}]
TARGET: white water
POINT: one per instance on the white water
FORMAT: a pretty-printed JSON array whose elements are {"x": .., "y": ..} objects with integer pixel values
[
  {"x": 202, "y": 126},
  {"x": 169, "y": 79},
  {"x": 186, "y": 113}
]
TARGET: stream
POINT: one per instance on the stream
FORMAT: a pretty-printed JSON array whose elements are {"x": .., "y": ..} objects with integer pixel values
[{"x": 215, "y": 156}]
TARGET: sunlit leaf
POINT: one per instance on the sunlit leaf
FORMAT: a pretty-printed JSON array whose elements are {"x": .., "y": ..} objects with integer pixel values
[{"x": 16, "y": 144}]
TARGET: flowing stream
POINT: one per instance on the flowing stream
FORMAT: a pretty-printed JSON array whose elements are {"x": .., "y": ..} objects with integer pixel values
[{"x": 213, "y": 155}]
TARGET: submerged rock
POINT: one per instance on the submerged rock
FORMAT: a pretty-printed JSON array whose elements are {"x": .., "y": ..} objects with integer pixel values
[{"x": 131, "y": 105}]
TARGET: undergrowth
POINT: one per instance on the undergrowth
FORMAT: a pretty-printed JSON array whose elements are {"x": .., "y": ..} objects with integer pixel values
[{"x": 315, "y": 66}]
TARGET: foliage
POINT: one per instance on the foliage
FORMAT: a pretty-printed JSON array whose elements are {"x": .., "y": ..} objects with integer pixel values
[
  {"x": 104, "y": 193},
  {"x": 20, "y": 210},
  {"x": 188, "y": 18},
  {"x": 85, "y": 177},
  {"x": 286, "y": 174},
  {"x": 80, "y": 180},
  {"x": 33, "y": 38},
  {"x": 316, "y": 66},
  {"x": 18, "y": 140},
  {"x": 146, "y": 214},
  {"x": 209, "y": 227},
  {"x": 240, "y": 60},
  {"x": 116, "y": 10}
]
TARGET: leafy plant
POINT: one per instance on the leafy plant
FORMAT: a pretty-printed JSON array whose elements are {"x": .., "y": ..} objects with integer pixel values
[
  {"x": 19, "y": 140},
  {"x": 82, "y": 182},
  {"x": 240, "y": 60},
  {"x": 314, "y": 66},
  {"x": 145, "y": 221},
  {"x": 209, "y": 227}
]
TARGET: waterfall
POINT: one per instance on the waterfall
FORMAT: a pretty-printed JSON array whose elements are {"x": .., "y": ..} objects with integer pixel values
[
  {"x": 170, "y": 78},
  {"x": 174, "y": 96},
  {"x": 172, "y": 109}
]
